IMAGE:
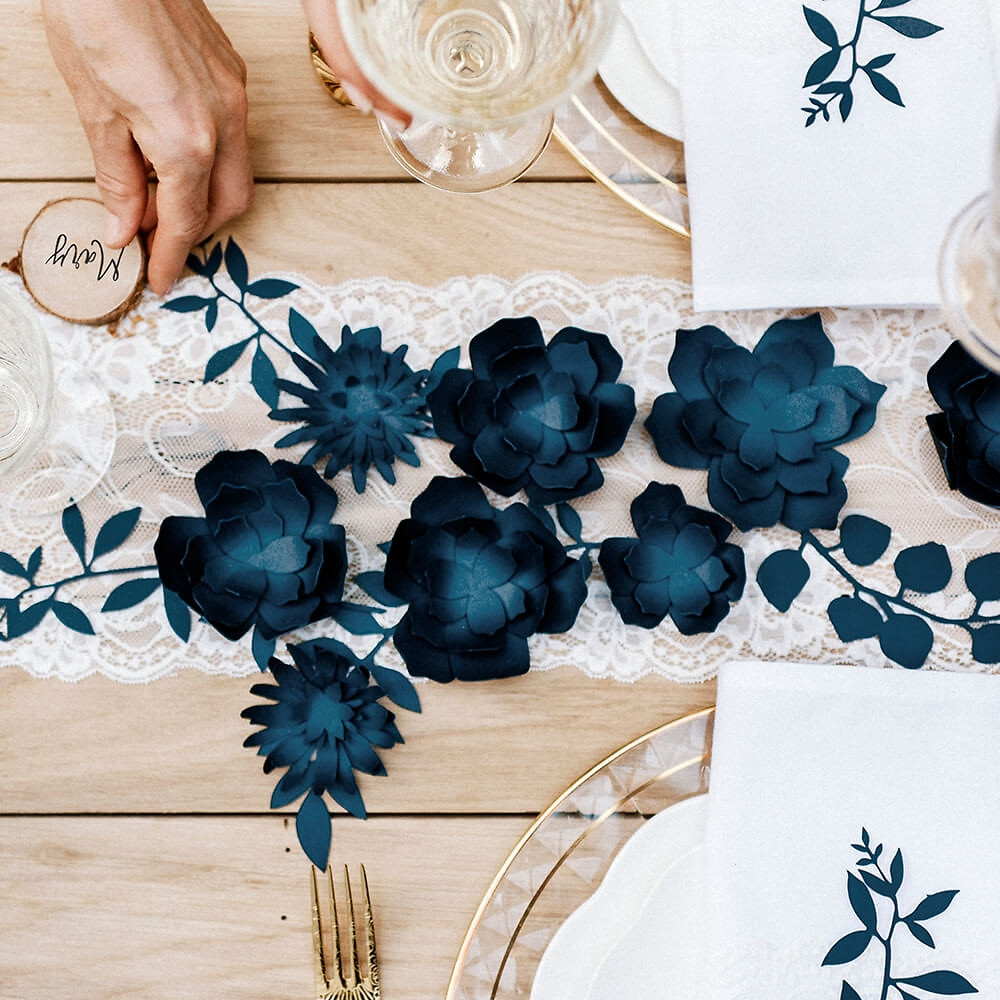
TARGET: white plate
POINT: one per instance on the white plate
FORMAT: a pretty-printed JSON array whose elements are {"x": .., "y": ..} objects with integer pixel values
[
  {"x": 589, "y": 941},
  {"x": 633, "y": 78}
]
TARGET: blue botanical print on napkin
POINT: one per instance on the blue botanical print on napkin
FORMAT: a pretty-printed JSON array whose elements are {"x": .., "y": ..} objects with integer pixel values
[
  {"x": 845, "y": 61},
  {"x": 874, "y": 895}
]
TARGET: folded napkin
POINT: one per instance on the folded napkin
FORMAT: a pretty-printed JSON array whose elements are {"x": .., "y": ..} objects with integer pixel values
[
  {"x": 827, "y": 152},
  {"x": 853, "y": 817}
]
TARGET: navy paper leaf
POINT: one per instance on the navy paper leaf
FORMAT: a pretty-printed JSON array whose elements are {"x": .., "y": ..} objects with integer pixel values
[
  {"x": 443, "y": 364},
  {"x": 943, "y": 983},
  {"x": 982, "y": 577},
  {"x": 879, "y": 61},
  {"x": 896, "y": 869},
  {"x": 885, "y": 87},
  {"x": 72, "y": 524},
  {"x": 397, "y": 687},
  {"x": 932, "y": 905},
  {"x": 72, "y": 617},
  {"x": 115, "y": 530},
  {"x": 12, "y": 567},
  {"x": 262, "y": 376},
  {"x": 848, "y": 992},
  {"x": 303, "y": 333},
  {"x": 853, "y": 618},
  {"x": 236, "y": 264},
  {"x": 188, "y": 303},
  {"x": 861, "y": 902},
  {"x": 848, "y": 948},
  {"x": 271, "y": 288},
  {"x": 130, "y": 593},
  {"x": 211, "y": 315},
  {"x": 357, "y": 619},
  {"x": 846, "y": 103},
  {"x": 570, "y": 521},
  {"x": 262, "y": 649},
  {"x": 821, "y": 28},
  {"x": 822, "y": 68},
  {"x": 920, "y": 933},
  {"x": 986, "y": 644},
  {"x": 907, "y": 640},
  {"x": 864, "y": 539},
  {"x": 214, "y": 261},
  {"x": 220, "y": 362},
  {"x": 34, "y": 562},
  {"x": 876, "y": 883},
  {"x": 924, "y": 568},
  {"x": 313, "y": 827},
  {"x": 178, "y": 615},
  {"x": 781, "y": 577},
  {"x": 912, "y": 27},
  {"x": 372, "y": 583},
  {"x": 20, "y": 622}
]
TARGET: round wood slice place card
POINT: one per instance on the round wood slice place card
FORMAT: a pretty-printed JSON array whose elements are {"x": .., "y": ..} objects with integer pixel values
[{"x": 71, "y": 273}]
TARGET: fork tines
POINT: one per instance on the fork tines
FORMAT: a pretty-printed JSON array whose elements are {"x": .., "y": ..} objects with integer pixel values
[{"x": 333, "y": 980}]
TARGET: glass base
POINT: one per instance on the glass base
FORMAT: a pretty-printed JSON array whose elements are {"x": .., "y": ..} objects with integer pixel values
[
  {"x": 969, "y": 283},
  {"x": 468, "y": 162},
  {"x": 77, "y": 452}
]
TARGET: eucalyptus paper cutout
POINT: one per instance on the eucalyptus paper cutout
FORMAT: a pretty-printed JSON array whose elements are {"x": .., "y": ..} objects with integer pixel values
[
  {"x": 902, "y": 626},
  {"x": 874, "y": 896},
  {"x": 846, "y": 53},
  {"x": 27, "y": 608}
]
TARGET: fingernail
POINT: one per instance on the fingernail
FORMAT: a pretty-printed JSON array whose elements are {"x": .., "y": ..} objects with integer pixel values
[
  {"x": 394, "y": 123},
  {"x": 114, "y": 231},
  {"x": 358, "y": 97}
]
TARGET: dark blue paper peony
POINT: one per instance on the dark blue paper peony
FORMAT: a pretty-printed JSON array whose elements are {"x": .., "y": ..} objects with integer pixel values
[
  {"x": 534, "y": 416},
  {"x": 680, "y": 565},
  {"x": 325, "y": 723},
  {"x": 765, "y": 423},
  {"x": 478, "y": 581},
  {"x": 265, "y": 554},
  {"x": 361, "y": 406},
  {"x": 967, "y": 432}
]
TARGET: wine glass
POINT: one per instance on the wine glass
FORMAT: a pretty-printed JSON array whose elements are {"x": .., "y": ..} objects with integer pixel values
[
  {"x": 57, "y": 427},
  {"x": 969, "y": 272},
  {"x": 481, "y": 78}
]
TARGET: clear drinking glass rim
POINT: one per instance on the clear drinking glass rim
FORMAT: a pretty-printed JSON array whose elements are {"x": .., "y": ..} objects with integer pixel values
[{"x": 346, "y": 12}]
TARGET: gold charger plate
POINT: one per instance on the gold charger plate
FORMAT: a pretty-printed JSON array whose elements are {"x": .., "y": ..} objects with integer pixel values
[
  {"x": 563, "y": 856},
  {"x": 643, "y": 167}
]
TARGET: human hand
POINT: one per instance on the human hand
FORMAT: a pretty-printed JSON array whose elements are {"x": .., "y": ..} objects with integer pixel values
[
  {"x": 325, "y": 26},
  {"x": 158, "y": 87}
]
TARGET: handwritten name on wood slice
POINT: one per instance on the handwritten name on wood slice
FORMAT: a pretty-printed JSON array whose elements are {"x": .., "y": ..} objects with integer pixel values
[{"x": 71, "y": 273}]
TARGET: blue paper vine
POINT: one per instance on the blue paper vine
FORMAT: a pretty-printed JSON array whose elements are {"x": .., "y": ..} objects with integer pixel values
[
  {"x": 900, "y": 625},
  {"x": 871, "y": 882},
  {"x": 846, "y": 52},
  {"x": 26, "y": 609}
]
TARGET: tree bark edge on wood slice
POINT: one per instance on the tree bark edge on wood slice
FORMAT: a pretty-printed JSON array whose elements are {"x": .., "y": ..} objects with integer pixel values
[{"x": 70, "y": 272}]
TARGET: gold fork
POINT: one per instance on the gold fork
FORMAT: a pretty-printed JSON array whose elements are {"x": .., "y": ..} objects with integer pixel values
[{"x": 335, "y": 983}]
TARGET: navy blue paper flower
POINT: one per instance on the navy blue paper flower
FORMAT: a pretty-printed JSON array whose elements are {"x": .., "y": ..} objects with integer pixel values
[
  {"x": 265, "y": 554},
  {"x": 967, "y": 432},
  {"x": 478, "y": 582},
  {"x": 534, "y": 416},
  {"x": 765, "y": 423},
  {"x": 361, "y": 406},
  {"x": 324, "y": 725},
  {"x": 680, "y": 565}
]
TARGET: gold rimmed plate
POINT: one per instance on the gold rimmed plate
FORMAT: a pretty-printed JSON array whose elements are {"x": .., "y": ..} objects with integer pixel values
[
  {"x": 643, "y": 167},
  {"x": 564, "y": 855}
]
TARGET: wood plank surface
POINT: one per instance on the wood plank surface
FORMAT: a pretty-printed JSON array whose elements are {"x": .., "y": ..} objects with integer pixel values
[
  {"x": 184, "y": 908},
  {"x": 333, "y": 232},
  {"x": 296, "y": 130}
]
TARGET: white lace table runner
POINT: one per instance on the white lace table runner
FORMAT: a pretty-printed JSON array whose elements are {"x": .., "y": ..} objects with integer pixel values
[{"x": 171, "y": 423}]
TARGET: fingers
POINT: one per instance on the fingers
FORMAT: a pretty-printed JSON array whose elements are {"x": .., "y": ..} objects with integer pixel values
[
  {"x": 120, "y": 173},
  {"x": 324, "y": 24}
]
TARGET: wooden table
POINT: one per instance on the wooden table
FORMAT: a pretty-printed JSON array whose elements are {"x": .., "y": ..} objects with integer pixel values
[{"x": 137, "y": 853}]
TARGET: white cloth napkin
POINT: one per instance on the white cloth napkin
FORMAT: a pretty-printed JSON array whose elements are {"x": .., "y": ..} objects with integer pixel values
[
  {"x": 841, "y": 212},
  {"x": 808, "y": 761}
]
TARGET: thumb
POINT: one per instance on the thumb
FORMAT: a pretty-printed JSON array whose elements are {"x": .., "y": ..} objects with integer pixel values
[{"x": 120, "y": 174}]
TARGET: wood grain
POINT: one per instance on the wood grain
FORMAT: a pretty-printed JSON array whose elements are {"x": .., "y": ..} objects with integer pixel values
[
  {"x": 175, "y": 746},
  {"x": 334, "y": 232},
  {"x": 181, "y": 908}
]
